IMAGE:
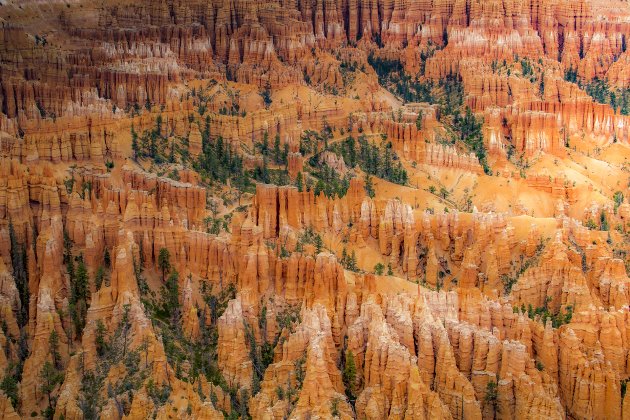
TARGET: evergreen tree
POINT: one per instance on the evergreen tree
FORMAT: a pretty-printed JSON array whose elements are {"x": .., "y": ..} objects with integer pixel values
[
  {"x": 349, "y": 376},
  {"x": 369, "y": 188},
  {"x": 264, "y": 146},
  {"x": 618, "y": 199},
  {"x": 469, "y": 129},
  {"x": 401, "y": 176},
  {"x": 242, "y": 182},
  {"x": 100, "y": 338},
  {"x": 374, "y": 160},
  {"x": 319, "y": 244},
  {"x": 144, "y": 144},
  {"x": 244, "y": 403},
  {"x": 264, "y": 172},
  {"x": 9, "y": 386},
  {"x": 164, "y": 262},
  {"x": 353, "y": 262},
  {"x": 81, "y": 283},
  {"x": 51, "y": 378},
  {"x": 603, "y": 221},
  {"x": 266, "y": 95},
  {"x": 218, "y": 162},
  {"x": 491, "y": 397},
  {"x": 135, "y": 146},
  {"x": 570, "y": 75},
  {"x": 125, "y": 326},
  {"x": 419, "y": 121},
  {"x": 170, "y": 299},
  {"x": 351, "y": 154},
  {"x": 20, "y": 273},
  {"x": 70, "y": 269},
  {"x": 107, "y": 260},
  {"x": 154, "y": 139},
  {"x": 285, "y": 154},
  {"x": 171, "y": 155},
  {"x": 299, "y": 182},
  {"x": 277, "y": 154},
  {"x": 344, "y": 257},
  {"x": 387, "y": 164},
  {"x": 53, "y": 345},
  {"x": 378, "y": 269},
  {"x": 89, "y": 400},
  {"x": 98, "y": 277},
  {"x": 79, "y": 287}
]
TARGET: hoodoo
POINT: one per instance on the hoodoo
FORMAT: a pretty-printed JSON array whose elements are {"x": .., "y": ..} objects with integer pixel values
[{"x": 314, "y": 209}]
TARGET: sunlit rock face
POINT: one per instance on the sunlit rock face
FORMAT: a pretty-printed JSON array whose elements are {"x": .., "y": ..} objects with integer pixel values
[{"x": 314, "y": 209}]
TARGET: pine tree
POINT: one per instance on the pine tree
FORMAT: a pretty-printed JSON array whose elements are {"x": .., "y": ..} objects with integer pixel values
[
  {"x": 403, "y": 174},
  {"x": 100, "y": 340},
  {"x": 419, "y": 121},
  {"x": 618, "y": 199},
  {"x": 90, "y": 400},
  {"x": 9, "y": 386},
  {"x": 50, "y": 377},
  {"x": 266, "y": 95},
  {"x": 144, "y": 144},
  {"x": 491, "y": 397},
  {"x": 351, "y": 152},
  {"x": 603, "y": 221},
  {"x": 299, "y": 183},
  {"x": 171, "y": 155},
  {"x": 20, "y": 273},
  {"x": 134, "y": 144},
  {"x": 53, "y": 345},
  {"x": 353, "y": 262},
  {"x": 79, "y": 287},
  {"x": 125, "y": 326},
  {"x": 387, "y": 163},
  {"x": 374, "y": 162},
  {"x": 242, "y": 183},
  {"x": 378, "y": 269},
  {"x": 107, "y": 260},
  {"x": 349, "y": 376},
  {"x": 319, "y": 244},
  {"x": 277, "y": 157},
  {"x": 369, "y": 187},
  {"x": 264, "y": 146},
  {"x": 244, "y": 403},
  {"x": 98, "y": 277},
  {"x": 265, "y": 171},
  {"x": 170, "y": 298},
  {"x": 153, "y": 146},
  {"x": 81, "y": 282},
  {"x": 164, "y": 262},
  {"x": 285, "y": 154}
]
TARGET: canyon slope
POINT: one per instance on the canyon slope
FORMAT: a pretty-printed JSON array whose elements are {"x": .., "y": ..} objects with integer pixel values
[{"x": 314, "y": 209}]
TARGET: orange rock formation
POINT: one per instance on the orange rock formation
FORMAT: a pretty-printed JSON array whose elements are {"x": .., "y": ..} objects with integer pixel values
[{"x": 143, "y": 276}]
